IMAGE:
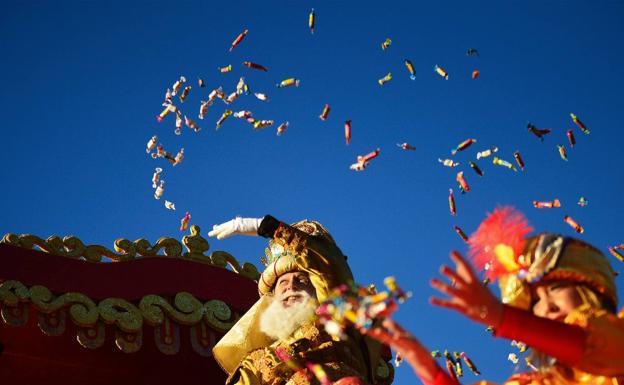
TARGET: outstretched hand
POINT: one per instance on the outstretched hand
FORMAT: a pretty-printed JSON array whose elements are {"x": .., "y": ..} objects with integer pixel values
[
  {"x": 467, "y": 294},
  {"x": 238, "y": 225}
]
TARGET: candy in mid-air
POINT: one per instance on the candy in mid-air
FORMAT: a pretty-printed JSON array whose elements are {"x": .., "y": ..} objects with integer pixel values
[
  {"x": 238, "y": 39},
  {"x": 500, "y": 162},
  {"x": 311, "y": 21},
  {"x": 347, "y": 127},
  {"x": 225, "y": 69},
  {"x": 325, "y": 112},
  {"x": 156, "y": 177},
  {"x": 448, "y": 162},
  {"x": 463, "y": 185},
  {"x": 579, "y": 124},
  {"x": 476, "y": 168},
  {"x": 539, "y": 132},
  {"x": 410, "y": 69},
  {"x": 184, "y": 221},
  {"x": 224, "y": 116},
  {"x": 571, "y": 138},
  {"x": 288, "y": 82},
  {"x": 486, "y": 153},
  {"x": 441, "y": 72},
  {"x": 475, "y": 74},
  {"x": 386, "y": 44},
  {"x": 169, "y": 205},
  {"x": 385, "y": 79},
  {"x": 583, "y": 202},
  {"x": 562, "y": 152},
  {"x": 151, "y": 144},
  {"x": 451, "y": 201},
  {"x": 406, "y": 146},
  {"x": 519, "y": 160},
  {"x": 472, "y": 52},
  {"x": 547, "y": 205},
  {"x": 461, "y": 233},
  {"x": 255, "y": 66},
  {"x": 364, "y": 160},
  {"x": 159, "y": 190},
  {"x": 574, "y": 224},
  {"x": 463, "y": 145},
  {"x": 282, "y": 128}
]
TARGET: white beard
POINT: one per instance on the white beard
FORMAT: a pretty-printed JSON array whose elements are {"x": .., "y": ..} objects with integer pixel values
[{"x": 279, "y": 322}]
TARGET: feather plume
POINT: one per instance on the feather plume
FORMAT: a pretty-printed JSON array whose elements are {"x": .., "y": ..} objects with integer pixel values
[{"x": 499, "y": 241}]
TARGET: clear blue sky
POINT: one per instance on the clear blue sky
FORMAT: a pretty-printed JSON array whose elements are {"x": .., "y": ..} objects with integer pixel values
[{"x": 83, "y": 82}]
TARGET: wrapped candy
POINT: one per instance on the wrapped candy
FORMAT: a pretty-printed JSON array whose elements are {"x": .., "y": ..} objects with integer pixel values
[
  {"x": 184, "y": 94},
  {"x": 225, "y": 69},
  {"x": 386, "y": 44},
  {"x": 216, "y": 93},
  {"x": 451, "y": 201},
  {"x": 151, "y": 144},
  {"x": 547, "y": 205},
  {"x": 311, "y": 21},
  {"x": 436, "y": 354},
  {"x": 539, "y": 132},
  {"x": 448, "y": 162},
  {"x": 472, "y": 52},
  {"x": 579, "y": 124},
  {"x": 261, "y": 96},
  {"x": 159, "y": 190},
  {"x": 255, "y": 66},
  {"x": 486, "y": 153},
  {"x": 325, "y": 113},
  {"x": 385, "y": 79},
  {"x": 224, "y": 116},
  {"x": 513, "y": 358},
  {"x": 500, "y": 162},
  {"x": 177, "y": 85},
  {"x": 441, "y": 72},
  {"x": 288, "y": 82},
  {"x": 168, "y": 97},
  {"x": 169, "y": 205},
  {"x": 562, "y": 152},
  {"x": 476, "y": 168},
  {"x": 463, "y": 185},
  {"x": 160, "y": 152},
  {"x": 616, "y": 254},
  {"x": 398, "y": 359},
  {"x": 241, "y": 86},
  {"x": 410, "y": 69},
  {"x": 178, "y": 124},
  {"x": 238, "y": 39},
  {"x": 583, "y": 202},
  {"x": 363, "y": 160},
  {"x": 203, "y": 109},
  {"x": 347, "y": 127},
  {"x": 231, "y": 97},
  {"x": 242, "y": 114},
  {"x": 406, "y": 146},
  {"x": 458, "y": 365},
  {"x": 522, "y": 347},
  {"x": 156, "y": 177},
  {"x": 575, "y": 225},
  {"x": 469, "y": 364},
  {"x": 179, "y": 157},
  {"x": 463, "y": 145},
  {"x": 528, "y": 363},
  {"x": 571, "y": 138},
  {"x": 185, "y": 221},
  {"x": 168, "y": 109},
  {"x": 519, "y": 160},
  {"x": 191, "y": 124},
  {"x": 475, "y": 74},
  {"x": 450, "y": 366},
  {"x": 260, "y": 124},
  {"x": 461, "y": 233},
  {"x": 200, "y": 83},
  {"x": 282, "y": 128}
]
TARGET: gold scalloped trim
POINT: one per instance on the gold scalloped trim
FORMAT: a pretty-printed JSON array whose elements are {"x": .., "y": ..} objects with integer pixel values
[
  {"x": 126, "y": 250},
  {"x": 127, "y": 317}
]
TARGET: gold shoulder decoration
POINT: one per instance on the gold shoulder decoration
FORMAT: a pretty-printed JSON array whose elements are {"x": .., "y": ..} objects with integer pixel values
[
  {"x": 126, "y": 250},
  {"x": 205, "y": 320}
]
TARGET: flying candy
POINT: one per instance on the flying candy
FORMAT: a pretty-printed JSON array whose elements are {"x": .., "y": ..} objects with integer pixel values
[
  {"x": 575, "y": 225},
  {"x": 476, "y": 168},
  {"x": 528, "y": 363},
  {"x": 184, "y": 221},
  {"x": 475, "y": 74},
  {"x": 513, "y": 358},
  {"x": 406, "y": 146},
  {"x": 216, "y": 93},
  {"x": 571, "y": 138},
  {"x": 441, "y": 72},
  {"x": 200, "y": 83},
  {"x": 410, "y": 69},
  {"x": 385, "y": 79},
  {"x": 448, "y": 162},
  {"x": 151, "y": 144},
  {"x": 156, "y": 177},
  {"x": 519, "y": 160},
  {"x": 486, "y": 153},
  {"x": 583, "y": 202},
  {"x": 184, "y": 94},
  {"x": 323, "y": 115},
  {"x": 470, "y": 364},
  {"x": 579, "y": 124},
  {"x": 539, "y": 132},
  {"x": 450, "y": 365},
  {"x": 616, "y": 254},
  {"x": 500, "y": 162},
  {"x": 191, "y": 124},
  {"x": 242, "y": 87},
  {"x": 224, "y": 116},
  {"x": 168, "y": 108},
  {"x": 522, "y": 347},
  {"x": 458, "y": 366},
  {"x": 398, "y": 359},
  {"x": 261, "y": 96},
  {"x": 168, "y": 97},
  {"x": 562, "y": 152},
  {"x": 347, "y": 127},
  {"x": 225, "y": 69},
  {"x": 160, "y": 190},
  {"x": 255, "y": 66},
  {"x": 463, "y": 145},
  {"x": 436, "y": 354},
  {"x": 160, "y": 152},
  {"x": 231, "y": 97},
  {"x": 363, "y": 160},
  {"x": 282, "y": 128},
  {"x": 386, "y": 44},
  {"x": 461, "y": 233},
  {"x": 238, "y": 39},
  {"x": 177, "y": 85},
  {"x": 472, "y": 52},
  {"x": 260, "y": 124},
  {"x": 243, "y": 114},
  {"x": 311, "y": 21},
  {"x": 547, "y": 205},
  {"x": 179, "y": 157},
  {"x": 451, "y": 202},
  {"x": 170, "y": 205},
  {"x": 463, "y": 185},
  {"x": 203, "y": 109},
  {"x": 288, "y": 82}
]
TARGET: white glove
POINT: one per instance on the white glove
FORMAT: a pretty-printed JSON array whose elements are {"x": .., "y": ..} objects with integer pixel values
[{"x": 238, "y": 225}]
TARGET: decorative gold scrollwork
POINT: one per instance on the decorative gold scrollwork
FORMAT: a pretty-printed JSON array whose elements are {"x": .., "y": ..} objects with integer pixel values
[
  {"x": 93, "y": 337},
  {"x": 189, "y": 309},
  {"x": 82, "y": 310},
  {"x": 13, "y": 292},
  {"x": 122, "y": 313},
  {"x": 223, "y": 258},
  {"x": 218, "y": 315}
]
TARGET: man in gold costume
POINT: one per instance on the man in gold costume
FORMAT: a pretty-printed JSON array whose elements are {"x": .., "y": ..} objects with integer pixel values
[
  {"x": 303, "y": 265},
  {"x": 558, "y": 296}
]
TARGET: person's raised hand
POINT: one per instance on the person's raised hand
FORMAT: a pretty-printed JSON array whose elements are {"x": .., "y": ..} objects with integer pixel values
[
  {"x": 467, "y": 294},
  {"x": 238, "y": 225}
]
